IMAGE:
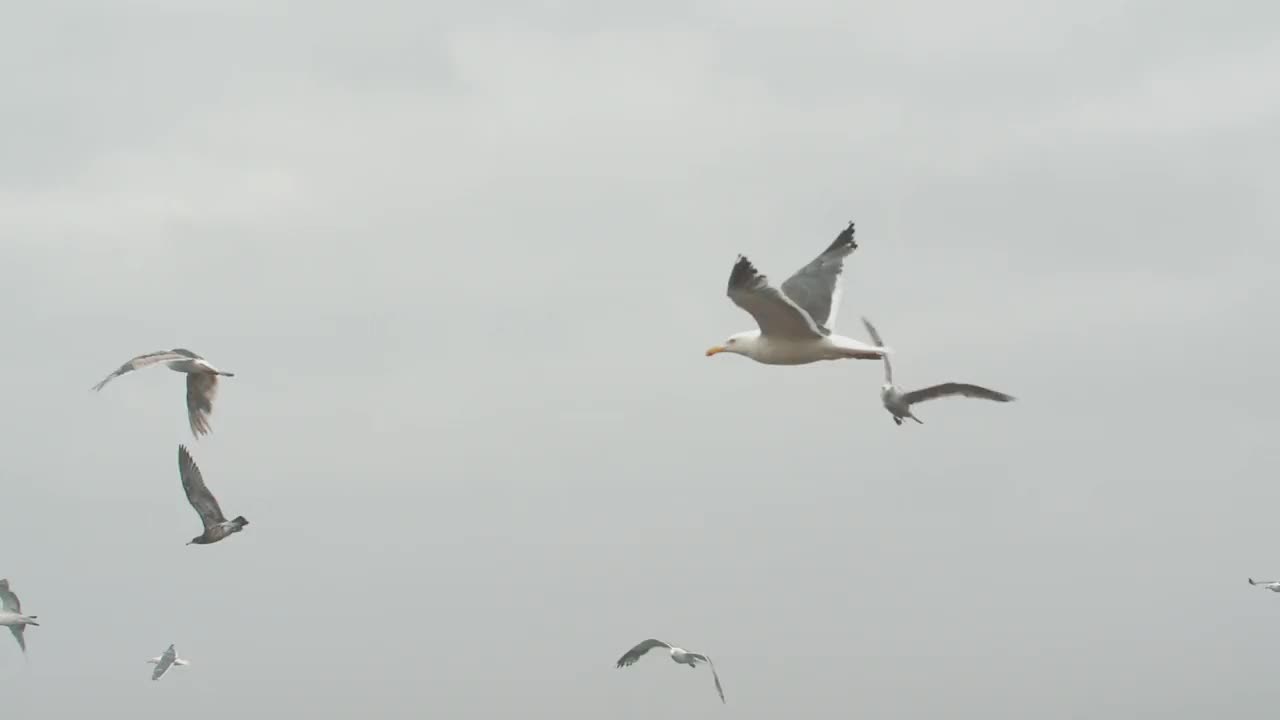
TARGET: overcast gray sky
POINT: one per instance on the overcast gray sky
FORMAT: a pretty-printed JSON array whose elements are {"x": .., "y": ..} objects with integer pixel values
[{"x": 465, "y": 262}]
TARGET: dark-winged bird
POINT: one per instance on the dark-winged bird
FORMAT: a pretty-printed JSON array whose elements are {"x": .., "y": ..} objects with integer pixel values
[
  {"x": 796, "y": 320},
  {"x": 678, "y": 655},
  {"x": 11, "y": 615},
  {"x": 216, "y": 525},
  {"x": 202, "y": 381},
  {"x": 899, "y": 403}
]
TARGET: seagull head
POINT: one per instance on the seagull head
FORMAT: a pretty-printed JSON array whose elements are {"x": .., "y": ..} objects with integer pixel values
[{"x": 741, "y": 344}]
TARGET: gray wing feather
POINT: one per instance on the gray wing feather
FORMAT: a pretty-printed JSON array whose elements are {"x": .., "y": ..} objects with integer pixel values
[
  {"x": 945, "y": 389},
  {"x": 18, "y": 631},
  {"x": 8, "y": 600},
  {"x": 634, "y": 653},
  {"x": 714, "y": 674},
  {"x": 816, "y": 286},
  {"x": 775, "y": 313},
  {"x": 147, "y": 360},
  {"x": 875, "y": 338},
  {"x": 206, "y": 506},
  {"x": 201, "y": 389}
]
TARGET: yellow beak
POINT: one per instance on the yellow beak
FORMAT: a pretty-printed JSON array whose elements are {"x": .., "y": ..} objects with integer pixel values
[{"x": 714, "y": 350}]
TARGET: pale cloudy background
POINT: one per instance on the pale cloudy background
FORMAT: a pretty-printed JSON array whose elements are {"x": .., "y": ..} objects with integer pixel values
[{"x": 465, "y": 262}]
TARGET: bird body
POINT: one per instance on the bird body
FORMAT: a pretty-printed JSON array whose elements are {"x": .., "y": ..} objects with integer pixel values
[
  {"x": 11, "y": 615},
  {"x": 202, "y": 381},
  {"x": 678, "y": 655},
  {"x": 899, "y": 403},
  {"x": 216, "y": 525},
  {"x": 771, "y": 351},
  {"x": 1272, "y": 585},
  {"x": 165, "y": 661},
  {"x": 795, "y": 320}
]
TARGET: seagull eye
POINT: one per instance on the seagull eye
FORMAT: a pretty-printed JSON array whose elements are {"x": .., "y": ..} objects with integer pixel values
[{"x": 732, "y": 341}]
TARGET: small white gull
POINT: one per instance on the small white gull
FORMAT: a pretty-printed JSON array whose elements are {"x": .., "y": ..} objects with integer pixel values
[
  {"x": 164, "y": 662},
  {"x": 202, "y": 381},
  {"x": 678, "y": 655},
  {"x": 796, "y": 320},
  {"x": 12, "y": 616},
  {"x": 899, "y": 403}
]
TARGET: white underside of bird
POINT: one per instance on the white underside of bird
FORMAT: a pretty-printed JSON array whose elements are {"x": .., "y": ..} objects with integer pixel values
[
  {"x": 11, "y": 615},
  {"x": 796, "y": 320}
]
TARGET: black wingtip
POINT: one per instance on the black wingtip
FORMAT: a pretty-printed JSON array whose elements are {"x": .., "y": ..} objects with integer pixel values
[
  {"x": 743, "y": 273},
  {"x": 846, "y": 237}
]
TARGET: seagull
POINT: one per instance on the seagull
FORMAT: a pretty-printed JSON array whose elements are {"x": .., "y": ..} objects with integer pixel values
[
  {"x": 795, "y": 322},
  {"x": 216, "y": 525},
  {"x": 899, "y": 403},
  {"x": 678, "y": 655},
  {"x": 11, "y": 615},
  {"x": 202, "y": 381},
  {"x": 164, "y": 662},
  {"x": 1272, "y": 585}
]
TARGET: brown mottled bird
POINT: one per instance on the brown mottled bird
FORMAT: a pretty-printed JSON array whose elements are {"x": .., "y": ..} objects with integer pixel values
[
  {"x": 202, "y": 381},
  {"x": 216, "y": 525}
]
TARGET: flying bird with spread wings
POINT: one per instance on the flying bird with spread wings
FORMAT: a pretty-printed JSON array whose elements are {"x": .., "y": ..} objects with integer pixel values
[
  {"x": 12, "y": 616},
  {"x": 202, "y": 381},
  {"x": 165, "y": 661},
  {"x": 678, "y": 655},
  {"x": 1272, "y": 585},
  {"x": 899, "y": 403},
  {"x": 216, "y": 525},
  {"x": 795, "y": 320}
]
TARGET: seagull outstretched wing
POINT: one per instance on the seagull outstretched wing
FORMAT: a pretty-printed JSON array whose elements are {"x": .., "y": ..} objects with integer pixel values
[
  {"x": 776, "y": 314},
  {"x": 205, "y": 504},
  {"x": 952, "y": 388},
  {"x": 875, "y": 338},
  {"x": 147, "y": 360},
  {"x": 201, "y": 389},
  {"x": 714, "y": 674},
  {"x": 632, "y": 655},
  {"x": 816, "y": 286}
]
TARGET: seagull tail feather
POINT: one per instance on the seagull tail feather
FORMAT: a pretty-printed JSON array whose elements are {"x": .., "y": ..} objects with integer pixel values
[{"x": 240, "y": 520}]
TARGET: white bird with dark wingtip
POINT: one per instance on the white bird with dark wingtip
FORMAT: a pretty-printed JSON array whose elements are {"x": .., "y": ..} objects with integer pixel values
[
  {"x": 216, "y": 525},
  {"x": 678, "y": 655},
  {"x": 1272, "y": 585},
  {"x": 202, "y": 381},
  {"x": 12, "y": 616},
  {"x": 164, "y": 662},
  {"x": 795, "y": 321},
  {"x": 899, "y": 403}
]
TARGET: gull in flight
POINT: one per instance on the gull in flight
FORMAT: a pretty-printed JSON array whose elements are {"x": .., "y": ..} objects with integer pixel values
[
  {"x": 678, "y": 655},
  {"x": 164, "y": 662},
  {"x": 1272, "y": 585},
  {"x": 899, "y": 403},
  {"x": 796, "y": 320},
  {"x": 11, "y": 615},
  {"x": 202, "y": 381},
  {"x": 216, "y": 525}
]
